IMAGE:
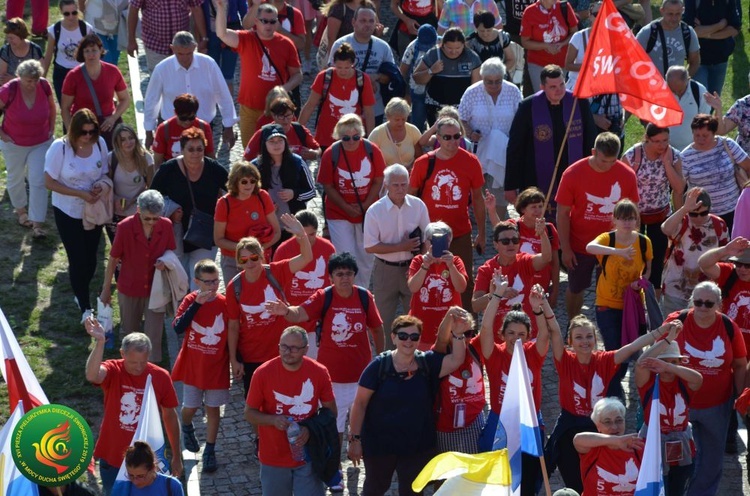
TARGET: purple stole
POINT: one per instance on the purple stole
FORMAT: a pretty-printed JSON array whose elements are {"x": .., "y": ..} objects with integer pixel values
[{"x": 544, "y": 150}]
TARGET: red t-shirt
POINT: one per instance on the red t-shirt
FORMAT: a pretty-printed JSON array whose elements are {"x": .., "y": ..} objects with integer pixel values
[
  {"x": 710, "y": 352},
  {"x": 314, "y": 276},
  {"x": 363, "y": 170},
  {"x": 448, "y": 189},
  {"x": 260, "y": 331},
  {"x": 109, "y": 82},
  {"x": 434, "y": 298},
  {"x": 498, "y": 368},
  {"x": 581, "y": 386},
  {"x": 520, "y": 276},
  {"x": 592, "y": 197},
  {"x": 674, "y": 416},
  {"x": 169, "y": 146},
  {"x": 464, "y": 386},
  {"x": 203, "y": 361},
  {"x": 258, "y": 74},
  {"x": 539, "y": 24},
  {"x": 278, "y": 391},
  {"x": 138, "y": 254},
  {"x": 242, "y": 215},
  {"x": 532, "y": 244},
  {"x": 606, "y": 471},
  {"x": 343, "y": 98},
  {"x": 123, "y": 394},
  {"x": 415, "y": 8},
  {"x": 295, "y": 145},
  {"x": 344, "y": 345},
  {"x": 737, "y": 304},
  {"x": 296, "y": 25}
]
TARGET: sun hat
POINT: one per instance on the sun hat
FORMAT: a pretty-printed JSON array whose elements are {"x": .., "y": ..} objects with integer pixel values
[
  {"x": 672, "y": 351},
  {"x": 743, "y": 257}
]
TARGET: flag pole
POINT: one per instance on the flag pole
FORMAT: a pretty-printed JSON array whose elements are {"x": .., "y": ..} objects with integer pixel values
[
  {"x": 545, "y": 475},
  {"x": 559, "y": 154}
]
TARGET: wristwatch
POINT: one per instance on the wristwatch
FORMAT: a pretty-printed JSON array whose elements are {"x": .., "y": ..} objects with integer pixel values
[{"x": 355, "y": 437}]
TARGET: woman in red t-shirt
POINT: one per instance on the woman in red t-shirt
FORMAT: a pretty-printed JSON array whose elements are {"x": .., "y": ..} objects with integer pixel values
[
  {"x": 497, "y": 357},
  {"x": 247, "y": 210},
  {"x": 676, "y": 385},
  {"x": 436, "y": 283},
  {"x": 610, "y": 459},
  {"x": 584, "y": 375}
]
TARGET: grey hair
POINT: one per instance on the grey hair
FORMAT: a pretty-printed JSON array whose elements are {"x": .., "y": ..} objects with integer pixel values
[
  {"x": 136, "y": 341},
  {"x": 151, "y": 201},
  {"x": 348, "y": 121},
  {"x": 295, "y": 331},
  {"x": 268, "y": 8},
  {"x": 493, "y": 66},
  {"x": 606, "y": 405},
  {"x": 708, "y": 286},
  {"x": 395, "y": 170},
  {"x": 183, "y": 39},
  {"x": 448, "y": 121},
  {"x": 673, "y": 2},
  {"x": 30, "y": 69},
  {"x": 439, "y": 227},
  {"x": 677, "y": 71},
  {"x": 397, "y": 106}
]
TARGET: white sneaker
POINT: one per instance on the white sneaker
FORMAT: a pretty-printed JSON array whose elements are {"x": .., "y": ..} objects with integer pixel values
[{"x": 88, "y": 313}]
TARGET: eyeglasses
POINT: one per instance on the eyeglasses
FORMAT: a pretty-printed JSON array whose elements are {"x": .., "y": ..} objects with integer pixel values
[
  {"x": 448, "y": 137},
  {"x": 138, "y": 477},
  {"x": 704, "y": 303},
  {"x": 245, "y": 182},
  {"x": 149, "y": 219},
  {"x": 71, "y": 13},
  {"x": 405, "y": 336},
  {"x": 507, "y": 241},
  {"x": 741, "y": 265},
  {"x": 346, "y": 273},
  {"x": 210, "y": 282},
  {"x": 294, "y": 349},
  {"x": 698, "y": 214},
  {"x": 197, "y": 149},
  {"x": 356, "y": 137},
  {"x": 254, "y": 257},
  {"x": 285, "y": 117},
  {"x": 268, "y": 21},
  {"x": 493, "y": 82},
  {"x": 89, "y": 132}
]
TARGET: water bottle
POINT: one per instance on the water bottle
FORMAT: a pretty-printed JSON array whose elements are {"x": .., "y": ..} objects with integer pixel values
[{"x": 292, "y": 433}]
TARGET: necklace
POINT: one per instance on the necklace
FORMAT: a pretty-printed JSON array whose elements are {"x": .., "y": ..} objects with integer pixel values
[
  {"x": 397, "y": 146},
  {"x": 406, "y": 371}
]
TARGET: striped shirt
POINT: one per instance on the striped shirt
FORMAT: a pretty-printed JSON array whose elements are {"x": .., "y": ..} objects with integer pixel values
[{"x": 713, "y": 170}]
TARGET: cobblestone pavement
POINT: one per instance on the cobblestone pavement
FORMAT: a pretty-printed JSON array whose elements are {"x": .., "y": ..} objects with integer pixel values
[{"x": 238, "y": 472}]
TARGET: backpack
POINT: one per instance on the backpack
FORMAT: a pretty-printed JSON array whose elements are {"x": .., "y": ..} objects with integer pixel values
[
  {"x": 364, "y": 300},
  {"x": 715, "y": 221},
  {"x": 237, "y": 283},
  {"x": 729, "y": 284},
  {"x": 299, "y": 130},
  {"x": 13, "y": 91},
  {"x": 564, "y": 12},
  {"x": 57, "y": 29},
  {"x": 658, "y": 30},
  {"x": 386, "y": 369},
  {"x": 336, "y": 151},
  {"x": 328, "y": 76},
  {"x": 431, "y": 159},
  {"x": 396, "y": 86},
  {"x": 728, "y": 324},
  {"x": 641, "y": 242}
]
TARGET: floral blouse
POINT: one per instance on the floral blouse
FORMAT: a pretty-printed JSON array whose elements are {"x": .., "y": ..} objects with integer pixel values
[{"x": 653, "y": 185}]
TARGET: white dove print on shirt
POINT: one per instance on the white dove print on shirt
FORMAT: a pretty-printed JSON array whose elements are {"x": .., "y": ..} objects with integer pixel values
[
  {"x": 267, "y": 73},
  {"x": 741, "y": 302},
  {"x": 360, "y": 178},
  {"x": 300, "y": 404},
  {"x": 518, "y": 286},
  {"x": 710, "y": 358},
  {"x": 597, "y": 389},
  {"x": 677, "y": 416},
  {"x": 348, "y": 106},
  {"x": 314, "y": 278},
  {"x": 623, "y": 483},
  {"x": 472, "y": 385},
  {"x": 210, "y": 334},
  {"x": 250, "y": 310},
  {"x": 606, "y": 203}
]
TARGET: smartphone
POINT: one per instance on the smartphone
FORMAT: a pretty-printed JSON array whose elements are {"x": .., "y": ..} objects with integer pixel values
[
  {"x": 439, "y": 245},
  {"x": 417, "y": 233}
]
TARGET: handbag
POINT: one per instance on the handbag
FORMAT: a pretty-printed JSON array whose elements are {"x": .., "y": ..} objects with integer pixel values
[
  {"x": 200, "y": 231},
  {"x": 107, "y": 135},
  {"x": 655, "y": 216},
  {"x": 740, "y": 176}
]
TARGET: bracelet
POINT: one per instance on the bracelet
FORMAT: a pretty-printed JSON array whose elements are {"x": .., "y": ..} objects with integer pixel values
[
  {"x": 541, "y": 312},
  {"x": 551, "y": 317},
  {"x": 458, "y": 338}
]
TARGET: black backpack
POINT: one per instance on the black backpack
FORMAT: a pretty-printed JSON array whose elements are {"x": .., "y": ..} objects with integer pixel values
[
  {"x": 728, "y": 324},
  {"x": 237, "y": 283},
  {"x": 364, "y": 300},
  {"x": 641, "y": 242},
  {"x": 658, "y": 30},
  {"x": 57, "y": 29}
]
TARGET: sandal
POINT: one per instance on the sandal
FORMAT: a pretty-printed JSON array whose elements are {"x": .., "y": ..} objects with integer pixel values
[
  {"x": 38, "y": 233},
  {"x": 23, "y": 219}
]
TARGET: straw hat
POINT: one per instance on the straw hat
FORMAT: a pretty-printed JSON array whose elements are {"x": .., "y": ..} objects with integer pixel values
[{"x": 672, "y": 351}]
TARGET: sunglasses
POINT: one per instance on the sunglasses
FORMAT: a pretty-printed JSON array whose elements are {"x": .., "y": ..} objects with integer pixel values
[
  {"x": 71, "y": 13},
  {"x": 210, "y": 282},
  {"x": 89, "y": 132},
  {"x": 507, "y": 241},
  {"x": 698, "y": 214},
  {"x": 405, "y": 336},
  {"x": 704, "y": 303},
  {"x": 245, "y": 182},
  {"x": 250, "y": 258},
  {"x": 741, "y": 265},
  {"x": 268, "y": 21},
  {"x": 356, "y": 137},
  {"x": 448, "y": 137}
]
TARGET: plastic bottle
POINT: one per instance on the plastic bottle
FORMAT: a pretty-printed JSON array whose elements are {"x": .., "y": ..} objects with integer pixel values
[{"x": 292, "y": 433}]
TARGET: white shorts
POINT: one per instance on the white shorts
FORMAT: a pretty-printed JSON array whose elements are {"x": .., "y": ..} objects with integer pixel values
[
  {"x": 344, "y": 393},
  {"x": 192, "y": 397}
]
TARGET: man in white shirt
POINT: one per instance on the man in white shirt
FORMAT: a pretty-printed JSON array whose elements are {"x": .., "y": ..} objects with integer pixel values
[
  {"x": 394, "y": 227},
  {"x": 690, "y": 95},
  {"x": 371, "y": 52},
  {"x": 188, "y": 72}
]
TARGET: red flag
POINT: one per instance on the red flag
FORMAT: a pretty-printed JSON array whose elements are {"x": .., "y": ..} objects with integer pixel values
[
  {"x": 615, "y": 62},
  {"x": 22, "y": 383}
]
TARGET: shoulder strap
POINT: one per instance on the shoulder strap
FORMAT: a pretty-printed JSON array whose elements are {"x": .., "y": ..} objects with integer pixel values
[
  {"x": 664, "y": 53},
  {"x": 431, "y": 159},
  {"x": 46, "y": 87},
  {"x": 236, "y": 283},
  {"x": 364, "y": 299},
  {"x": 650, "y": 392},
  {"x": 167, "y": 136},
  {"x": 226, "y": 201},
  {"x": 114, "y": 162},
  {"x": 564, "y": 12},
  {"x": 56, "y": 29},
  {"x": 422, "y": 365},
  {"x": 671, "y": 245},
  {"x": 268, "y": 56},
  {"x": 386, "y": 364},
  {"x": 360, "y": 85},
  {"x": 474, "y": 354},
  {"x": 368, "y": 148},
  {"x": 300, "y": 132},
  {"x": 274, "y": 282},
  {"x": 731, "y": 280},
  {"x": 367, "y": 56},
  {"x": 82, "y": 27},
  {"x": 327, "y": 77},
  {"x": 685, "y": 36},
  {"x": 335, "y": 153},
  {"x": 606, "y": 257},
  {"x": 695, "y": 89},
  {"x": 642, "y": 241},
  {"x": 637, "y": 157},
  {"x": 94, "y": 97},
  {"x": 12, "y": 91},
  {"x": 290, "y": 16},
  {"x": 651, "y": 43},
  {"x": 327, "y": 299},
  {"x": 729, "y": 326}
]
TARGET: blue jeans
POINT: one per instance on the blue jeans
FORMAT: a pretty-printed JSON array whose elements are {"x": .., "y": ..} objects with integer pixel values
[
  {"x": 282, "y": 481},
  {"x": 109, "y": 42},
  {"x": 418, "y": 110},
  {"x": 224, "y": 56},
  {"x": 712, "y": 76},
  {"x": 710, "y": 434},
  {"x": 108, "y": 474},
  {"x": 609, "y": 321}
]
